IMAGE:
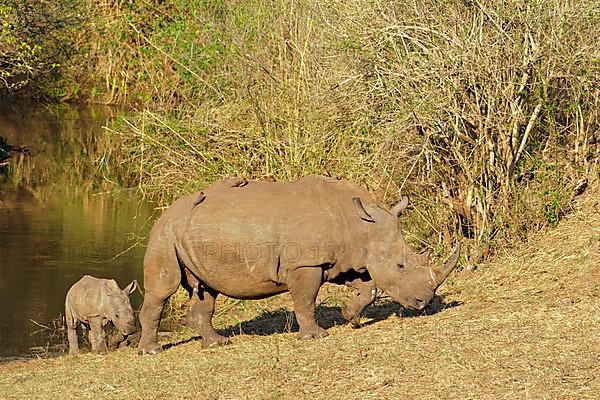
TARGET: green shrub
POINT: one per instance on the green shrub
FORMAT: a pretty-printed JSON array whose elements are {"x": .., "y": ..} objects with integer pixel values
[
  {"x": 485, "y": 112},
  {"x": 35, "y": 38}
]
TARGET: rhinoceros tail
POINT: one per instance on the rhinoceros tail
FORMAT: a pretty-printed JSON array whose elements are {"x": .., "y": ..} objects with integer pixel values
[{"x": 189, "y": 280}]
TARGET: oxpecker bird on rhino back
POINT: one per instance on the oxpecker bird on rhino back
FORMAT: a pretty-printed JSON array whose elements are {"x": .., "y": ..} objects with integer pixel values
[{"x": 250, "y": 240}]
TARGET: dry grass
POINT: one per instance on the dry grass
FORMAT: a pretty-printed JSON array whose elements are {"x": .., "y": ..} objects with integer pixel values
[
  {"x": 486, "y": 113},
  {"x": 522, "y": 326}
]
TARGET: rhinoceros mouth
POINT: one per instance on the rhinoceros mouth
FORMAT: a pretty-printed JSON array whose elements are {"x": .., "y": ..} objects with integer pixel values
[{"x": 413, "y": 305}]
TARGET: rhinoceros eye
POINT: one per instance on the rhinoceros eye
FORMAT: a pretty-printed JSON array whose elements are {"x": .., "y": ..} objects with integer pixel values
[{"x": 400, "y": 265}]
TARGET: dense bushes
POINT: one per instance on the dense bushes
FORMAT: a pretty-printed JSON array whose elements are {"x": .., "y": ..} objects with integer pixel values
[
  {"x": 485, "y": 112},
  {"x": 36, "y": 37}
]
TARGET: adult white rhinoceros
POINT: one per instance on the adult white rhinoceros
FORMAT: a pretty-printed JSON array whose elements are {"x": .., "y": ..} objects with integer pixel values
[{"x": 251, "y": 240}]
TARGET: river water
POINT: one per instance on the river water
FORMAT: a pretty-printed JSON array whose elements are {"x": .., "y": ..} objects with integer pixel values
[{"x": 54, "y": 229}]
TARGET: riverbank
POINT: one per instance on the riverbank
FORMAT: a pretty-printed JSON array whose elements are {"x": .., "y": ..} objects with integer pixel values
[
  {"x": 486, "y": 114},
  {"x": 522, "y": 326},
  {"x": 58, "y": 222}
]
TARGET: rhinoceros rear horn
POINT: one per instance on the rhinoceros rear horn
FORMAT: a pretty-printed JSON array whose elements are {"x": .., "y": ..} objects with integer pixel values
[
  {"x": 399, "y": 208},
  {"x": 442, "y": 273},
  {"x": 362, "y": 213}
]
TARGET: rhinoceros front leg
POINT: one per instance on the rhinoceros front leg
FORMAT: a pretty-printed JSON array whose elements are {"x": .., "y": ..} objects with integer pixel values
[
  {"x": 162, "y": 277},
  {"x": 352, "y": 309},
  {"x": 97, "y": 335},
  {"x": 200, "y": 315},
  {"x": 304, "y": 284}
]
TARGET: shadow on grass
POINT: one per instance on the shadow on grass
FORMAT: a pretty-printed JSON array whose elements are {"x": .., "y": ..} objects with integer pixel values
[{"x": 283, "y": 320}]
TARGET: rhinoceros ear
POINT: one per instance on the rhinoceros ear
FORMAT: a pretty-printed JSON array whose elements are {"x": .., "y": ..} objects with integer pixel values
[
  {"x": 131, "y": 287},
  {"x": 426, "y": 256},
  {"x": 399, "y": 208},
  {"x": 360, "y": 209}
]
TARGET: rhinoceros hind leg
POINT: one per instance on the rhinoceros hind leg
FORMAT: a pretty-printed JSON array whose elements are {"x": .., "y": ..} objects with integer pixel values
[
  {"x": 72, "y": 332},
  {"x": 200, "y": 315},
  {"x": 352, "y": 309},
  {"x": 150, "y": 319},
  {"x": 304, "y": 284}
]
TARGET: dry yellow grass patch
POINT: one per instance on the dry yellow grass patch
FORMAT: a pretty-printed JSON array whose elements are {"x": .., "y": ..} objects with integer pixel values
[{"x": 527, "y": 326}]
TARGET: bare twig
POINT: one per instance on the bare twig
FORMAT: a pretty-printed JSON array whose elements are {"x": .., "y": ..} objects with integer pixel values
[
  {"x": 40, "y": 325},
  {"x": 532, "y": 119}
]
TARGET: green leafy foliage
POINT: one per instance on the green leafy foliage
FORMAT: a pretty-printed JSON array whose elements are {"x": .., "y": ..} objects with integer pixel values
[{"x": 35, "y": 38}]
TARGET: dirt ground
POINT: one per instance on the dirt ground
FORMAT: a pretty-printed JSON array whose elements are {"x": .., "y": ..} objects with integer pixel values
[{"x": 525, "y": 325}]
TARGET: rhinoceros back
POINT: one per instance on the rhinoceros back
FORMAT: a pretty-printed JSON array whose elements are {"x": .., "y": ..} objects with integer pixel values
[
  {"x": 253, "y": 235},
  {"x": 88, "y": 297}
]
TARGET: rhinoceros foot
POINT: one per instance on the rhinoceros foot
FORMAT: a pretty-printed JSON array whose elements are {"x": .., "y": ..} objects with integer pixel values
[
  {"x": 308, "y": 334},
  {"x": 215, "y": 340},
  {"x": 150, "y": 351},
  {"x": 101, "y": 351}
]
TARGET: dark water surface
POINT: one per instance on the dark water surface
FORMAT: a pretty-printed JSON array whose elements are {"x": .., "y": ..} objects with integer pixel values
[{"x": 54, "y": 230}]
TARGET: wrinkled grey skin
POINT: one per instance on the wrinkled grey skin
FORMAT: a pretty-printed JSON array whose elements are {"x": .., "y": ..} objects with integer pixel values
[
  {"x": 251, "y": 240},
  {"x": 96, "y": 302}
]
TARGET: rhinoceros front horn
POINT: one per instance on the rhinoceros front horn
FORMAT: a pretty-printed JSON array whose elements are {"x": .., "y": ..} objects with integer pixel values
[{"x": 442, "y": 273}]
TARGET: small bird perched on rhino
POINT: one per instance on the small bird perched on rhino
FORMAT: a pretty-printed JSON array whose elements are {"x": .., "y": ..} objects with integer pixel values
[
  {"x": 96, "y": 302},
  {"x": 252, "y": 239}
]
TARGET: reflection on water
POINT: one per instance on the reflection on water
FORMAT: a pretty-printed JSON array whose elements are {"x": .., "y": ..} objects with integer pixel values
[{"x": 52, "y": 233}]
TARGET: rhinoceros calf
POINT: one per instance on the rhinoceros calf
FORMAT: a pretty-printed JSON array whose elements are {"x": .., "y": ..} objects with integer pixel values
[
  {"x": 251, "y": 240},
  {"x": 96, "y": 302}
]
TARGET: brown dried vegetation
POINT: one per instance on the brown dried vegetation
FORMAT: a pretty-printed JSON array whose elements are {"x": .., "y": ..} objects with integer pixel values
[{"x": 486, "y": 113}]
